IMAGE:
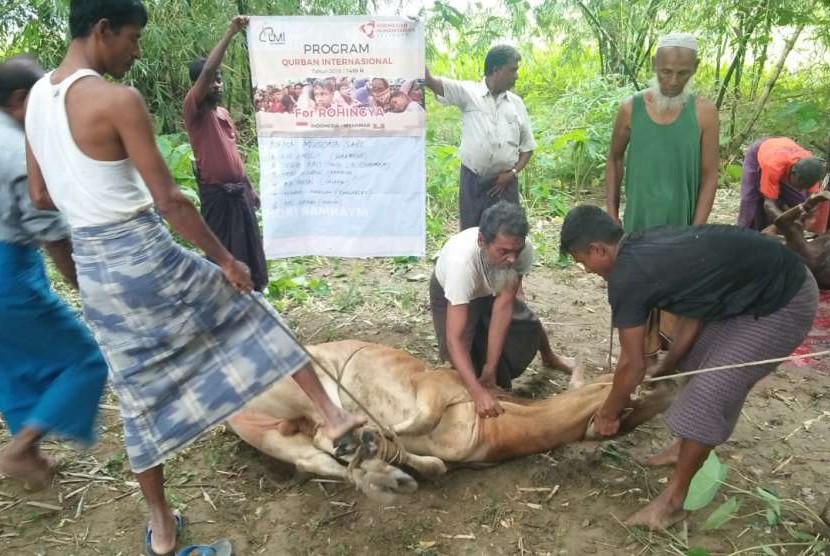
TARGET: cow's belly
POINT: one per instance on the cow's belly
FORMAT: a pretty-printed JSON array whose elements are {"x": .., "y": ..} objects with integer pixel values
[{"x": 454, "y": 440}]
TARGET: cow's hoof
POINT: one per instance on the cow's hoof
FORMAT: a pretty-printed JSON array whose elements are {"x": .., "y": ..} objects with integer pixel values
[
  {"x": 368, "y": 444},
  {"x": 346, "y": 445}
]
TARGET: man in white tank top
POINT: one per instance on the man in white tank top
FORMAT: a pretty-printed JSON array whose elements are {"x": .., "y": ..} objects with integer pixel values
[{"x": 74, "y": 144}]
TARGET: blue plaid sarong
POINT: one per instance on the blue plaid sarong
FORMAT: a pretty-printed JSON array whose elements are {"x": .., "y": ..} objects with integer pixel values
[{"x": 184, "y": 349}]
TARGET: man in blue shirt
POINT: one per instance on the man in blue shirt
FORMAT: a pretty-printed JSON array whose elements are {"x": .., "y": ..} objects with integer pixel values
[{"x": 51, "y": 371}]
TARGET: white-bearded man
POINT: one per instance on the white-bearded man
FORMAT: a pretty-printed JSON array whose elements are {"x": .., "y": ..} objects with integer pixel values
[
  {"x": 671, "y": 171},
  {"x": 482, "y": 324}
]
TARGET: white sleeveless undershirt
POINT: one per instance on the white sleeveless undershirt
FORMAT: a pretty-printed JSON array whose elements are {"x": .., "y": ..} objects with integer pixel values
[{"x": 88, "y": 192}]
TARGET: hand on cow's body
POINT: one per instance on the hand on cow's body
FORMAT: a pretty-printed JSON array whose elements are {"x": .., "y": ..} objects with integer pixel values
[
  {"x": 502, "y": 181},
  {"x": 606, "y": 423},
  {"x": 486, "y": 404},
  {"x": 238, "y": 276}
]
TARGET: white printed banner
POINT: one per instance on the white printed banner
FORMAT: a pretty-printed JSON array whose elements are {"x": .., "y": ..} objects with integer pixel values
[{"x": 341, "y": 128}]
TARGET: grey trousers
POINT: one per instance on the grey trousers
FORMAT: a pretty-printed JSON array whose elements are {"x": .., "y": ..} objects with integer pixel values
[{"x": 520, "y": 344}]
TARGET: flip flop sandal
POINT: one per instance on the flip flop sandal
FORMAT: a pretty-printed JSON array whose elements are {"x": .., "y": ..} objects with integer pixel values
[
  {"x": 148, "y": 535},
  {"x": 221, "y": 548}
]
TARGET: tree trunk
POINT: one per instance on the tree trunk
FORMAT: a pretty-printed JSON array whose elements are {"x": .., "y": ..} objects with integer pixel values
[
  {"x": 746, "y": 29},
  {"x": 600, "y": 30},
  {"x": 761, "y": 59},
  {"x": 762, "y": 102},
  {"x": 721, "y": 47}
]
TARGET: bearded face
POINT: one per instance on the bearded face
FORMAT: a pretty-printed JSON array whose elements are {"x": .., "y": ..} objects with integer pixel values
[
  {"x": 674, "y": 68},
  {"x": 498, "y": 259}
]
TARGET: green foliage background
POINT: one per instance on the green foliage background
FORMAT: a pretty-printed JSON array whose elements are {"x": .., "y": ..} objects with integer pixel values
[{"x": 580, "y": 59}]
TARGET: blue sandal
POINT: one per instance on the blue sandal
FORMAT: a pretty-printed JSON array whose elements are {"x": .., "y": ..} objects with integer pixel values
[
  {"x": 221, "y": 548},
  {"x": 148, "y": 534}
]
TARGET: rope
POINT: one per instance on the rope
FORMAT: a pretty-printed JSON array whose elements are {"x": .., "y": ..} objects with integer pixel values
[
  {"x": 609, "y": 362},
  {"x": 731, "y": 366}
]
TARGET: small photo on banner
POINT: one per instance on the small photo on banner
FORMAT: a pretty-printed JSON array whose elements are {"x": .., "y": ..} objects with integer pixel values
[{"x": 339, "y": 109}]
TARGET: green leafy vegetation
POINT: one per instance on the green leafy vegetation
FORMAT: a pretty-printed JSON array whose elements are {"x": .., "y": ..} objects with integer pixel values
[{"x": 764, "y": 63}]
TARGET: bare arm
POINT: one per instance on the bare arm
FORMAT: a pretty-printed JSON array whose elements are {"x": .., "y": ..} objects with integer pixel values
[
  {"x": 506, "y": 178},
  {"x": 37, "y": 185},
  {"x": 132, "y": 122},
  {"x": 686, "y": 331},
  {"x": 524, "y": 158},
  {"x": 434, "y": 84},
  {"x": 614, "y": 162},
  {"x": 631, "y": 368},
  {"x": 61, "y": 254},
  {"x": 202, "y": 85},
  {"x": 459, "y": 356},
  {"x": 499, "y": 324},
  {"x": 771, "y": 208},
  {"x": 709, "y": 139},
  {"x": 457, "y": 315}
]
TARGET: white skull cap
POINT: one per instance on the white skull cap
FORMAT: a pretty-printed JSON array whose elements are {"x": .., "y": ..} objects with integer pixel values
[{"x": 682, "y": 40}]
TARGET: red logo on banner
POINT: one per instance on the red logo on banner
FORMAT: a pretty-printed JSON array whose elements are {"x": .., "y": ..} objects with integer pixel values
[{"x": 368, "y": 29}]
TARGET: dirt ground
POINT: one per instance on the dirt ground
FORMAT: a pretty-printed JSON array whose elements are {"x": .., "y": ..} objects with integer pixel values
[{"x": 568, "y": 501}]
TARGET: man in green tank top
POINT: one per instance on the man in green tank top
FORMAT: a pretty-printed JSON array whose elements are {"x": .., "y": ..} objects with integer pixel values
[{"x": 671, "y": 137}]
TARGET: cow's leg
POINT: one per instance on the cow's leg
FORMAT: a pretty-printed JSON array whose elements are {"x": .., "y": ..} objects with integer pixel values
[
  {"x": 374, "y": 477},
  {"x": 308, "y": 458},
  {"x": 428, "y": 466},
  {"x": 283, "y": 441},
  {"x": 284, "y": 400},
  {"x": 429, "y": 405},
  {"x": 379, "y": 445}
]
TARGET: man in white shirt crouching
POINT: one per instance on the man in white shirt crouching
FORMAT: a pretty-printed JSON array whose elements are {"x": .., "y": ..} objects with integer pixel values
[{"x": 482, "y": 324}]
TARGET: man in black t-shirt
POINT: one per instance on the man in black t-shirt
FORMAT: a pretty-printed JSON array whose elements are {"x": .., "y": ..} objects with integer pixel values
[{"x": 739, "y": 297}]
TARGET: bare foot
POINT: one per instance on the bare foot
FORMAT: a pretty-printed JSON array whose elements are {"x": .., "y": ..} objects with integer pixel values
[
  {"x": 341, "y": 423},
  {"x": 33, "y": 469},
  {"x": 659, "y": 514},
  {"x": 577, "y": 376},
  {"x": 47, "y": 461},
  {"x": 667, "y": 457},
  {"x": 559, "y": 363}
]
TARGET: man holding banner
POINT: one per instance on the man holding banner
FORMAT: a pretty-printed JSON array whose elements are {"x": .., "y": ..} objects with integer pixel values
[
  {"x": 496, "y": 135},
  {"x": 228, "y": 202},
  {"x": 351, "y": 147}
]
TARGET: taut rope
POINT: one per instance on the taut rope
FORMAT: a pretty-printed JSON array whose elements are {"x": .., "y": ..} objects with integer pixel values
[{"x": 730, "y": 366}]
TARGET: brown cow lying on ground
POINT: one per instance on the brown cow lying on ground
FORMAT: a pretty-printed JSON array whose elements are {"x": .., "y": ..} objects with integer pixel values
[{"x": 429, "y": 410}]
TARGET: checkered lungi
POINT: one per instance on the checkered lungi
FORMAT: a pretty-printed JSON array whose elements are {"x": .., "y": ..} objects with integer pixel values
[
  {"x": 184, "y": 349},
  {"x": 708, "y": 407}
]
